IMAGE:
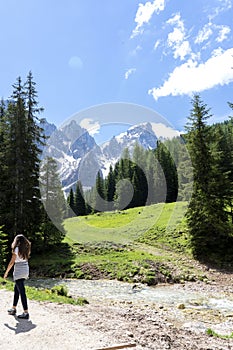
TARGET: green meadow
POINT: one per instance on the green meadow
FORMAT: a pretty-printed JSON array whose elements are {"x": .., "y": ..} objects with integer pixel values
[
  {"x": 147, "y": 245},
  {"x": 124, "y": 226}
]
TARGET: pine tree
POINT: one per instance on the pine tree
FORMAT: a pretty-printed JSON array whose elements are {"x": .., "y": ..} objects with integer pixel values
[
  {"x": 125, "y": 164},
  {"x": 100, "y": 203},
  {"x": 90, "y": 196},
  {"x": 150, "y": 174},
  {"x": 16, "y": 154},
  {"x": 139, "y": 156},
  {"x": 139, "y": 178},
  {"x": 21, "y": 210},
  {"x": 54, "y": 204},
  {"x": 206, "y": 219},
  {"x": 71, "y": 205},
  {"x": 124, "y": 194},
  {"x": 180, "y": 155},
  {"x": 124, "y": 170},
  {"x": 110, "y": 185},
  {"x": 160, "y": 184},
  {"x": 222, "y": 153},
  {"x": 139, "y": 183},
  {"x": 170, "y": 172},
  {"x": 35, "y": 141},
  {"x": 79, "y": 201}
]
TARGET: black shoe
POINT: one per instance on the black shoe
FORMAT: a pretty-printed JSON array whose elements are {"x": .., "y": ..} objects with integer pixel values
[
  {"x": 11, "y": 311},
  {"x": 24, "y": 316}
]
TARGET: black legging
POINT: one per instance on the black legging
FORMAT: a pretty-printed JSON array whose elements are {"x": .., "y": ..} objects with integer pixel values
[{"x": 20, "y": 290}]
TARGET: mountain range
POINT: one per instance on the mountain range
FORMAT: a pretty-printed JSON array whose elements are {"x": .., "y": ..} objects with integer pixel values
[{"x": 79, "y": 157}]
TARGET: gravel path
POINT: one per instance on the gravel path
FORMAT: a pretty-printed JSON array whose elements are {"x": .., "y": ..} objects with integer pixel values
[{"x": 51, "y": 326}]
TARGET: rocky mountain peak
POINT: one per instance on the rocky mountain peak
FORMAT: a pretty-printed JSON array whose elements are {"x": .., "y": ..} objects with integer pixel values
[{"x": 80, "y": 158}]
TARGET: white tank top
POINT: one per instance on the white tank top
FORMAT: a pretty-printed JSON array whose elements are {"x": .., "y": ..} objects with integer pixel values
[{"x": 18, "y": 258}]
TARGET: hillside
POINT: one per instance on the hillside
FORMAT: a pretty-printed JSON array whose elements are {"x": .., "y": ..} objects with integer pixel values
[{"x": 148, "y": 245}]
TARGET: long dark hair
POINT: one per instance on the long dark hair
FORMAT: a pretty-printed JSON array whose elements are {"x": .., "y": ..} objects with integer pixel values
[{"x": 24, "y": 246}]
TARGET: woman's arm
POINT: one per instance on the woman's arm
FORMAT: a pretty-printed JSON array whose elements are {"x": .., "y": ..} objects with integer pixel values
[{"x": 11, "y": 263}]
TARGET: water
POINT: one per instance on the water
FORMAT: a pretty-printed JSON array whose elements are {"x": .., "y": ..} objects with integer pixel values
[{"x": 111, "y": 290}]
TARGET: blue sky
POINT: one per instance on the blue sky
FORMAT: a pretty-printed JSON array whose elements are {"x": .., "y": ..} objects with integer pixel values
[{"x": 152, "y": 53}]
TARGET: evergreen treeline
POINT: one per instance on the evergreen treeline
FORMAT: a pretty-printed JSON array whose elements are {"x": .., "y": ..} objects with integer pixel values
[
  {"x": 148, "y": 177},
  {"x": 21, "y": 141}
]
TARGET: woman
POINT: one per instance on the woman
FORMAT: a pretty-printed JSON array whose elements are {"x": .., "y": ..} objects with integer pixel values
[{"x": 21, "y": 249}]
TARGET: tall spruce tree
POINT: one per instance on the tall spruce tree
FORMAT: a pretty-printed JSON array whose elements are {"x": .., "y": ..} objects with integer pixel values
[
  {"x": 160, "y": 184},
  {"x": 140, "y": 186},
  {"x": 110, "y": 185},
  {"x": 222, "y": 153},
  {"x": 79, "y": 201},
  {"x": 100, "y": 203},
  {"x": 54, "y": 204},
  {"x": 139, "y": 178},
  {"x": 16, "y": 158},
  {"x": 206, "y": 219},
  {"x": 21, "y": 138},
  {"x": 71, "y": 204},
  {"x": 169, "y": 169},
  {"x": 124, "y": 194},
  {"x": 178, "y": 150},
  {"x": 150, "y": 174}
]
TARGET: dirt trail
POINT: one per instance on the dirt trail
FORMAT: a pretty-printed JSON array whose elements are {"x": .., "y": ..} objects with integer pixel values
[{"x": 51, "y": 326}]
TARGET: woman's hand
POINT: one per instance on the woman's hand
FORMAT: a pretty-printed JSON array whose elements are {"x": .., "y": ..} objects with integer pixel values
[{"x": 11, "y": 263}]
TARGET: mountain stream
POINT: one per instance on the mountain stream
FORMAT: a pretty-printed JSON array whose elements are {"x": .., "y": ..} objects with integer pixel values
[{"x": 194, "y": 308}]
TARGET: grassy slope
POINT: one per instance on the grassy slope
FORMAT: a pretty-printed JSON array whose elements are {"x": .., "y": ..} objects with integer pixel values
[
  {"x": 148, "y": 245},
  {"x": 123, "y": 226}
]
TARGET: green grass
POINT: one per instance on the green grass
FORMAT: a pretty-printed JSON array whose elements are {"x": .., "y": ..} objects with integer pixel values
[
  {"x": 123, "y": 226},
  {"x": 212, "y": 333},
  {"x": 58, "y": 294}
]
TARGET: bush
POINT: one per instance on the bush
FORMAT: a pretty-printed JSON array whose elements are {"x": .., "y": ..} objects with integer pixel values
[{"x": 60, "y": 290}]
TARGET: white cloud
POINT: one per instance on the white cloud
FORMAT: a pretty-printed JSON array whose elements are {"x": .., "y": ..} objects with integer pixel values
[
  {"x": 218, "y": 119},
  {"x": 204, "y": 33},
  {"x": 182, "y": 50},
  {"x": 92, "y": 126},
  {"x": 75, "y": 62},
  {"x": 223, "y": 32},
  {"x": 144, "y": 14},
  {"x": 176, "y": 38},
  {"x": 193, "y": 77},
  {"x": 164, "y": 131},
  {"x": 156, "y": 44},
  {"x": 129, "y": 72},
  {"x": 224, "y": 5},
  {"x": 136, "y": 50},
  {"x": 176, "y": 20},
  {"x": 208, "y": 29}
]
